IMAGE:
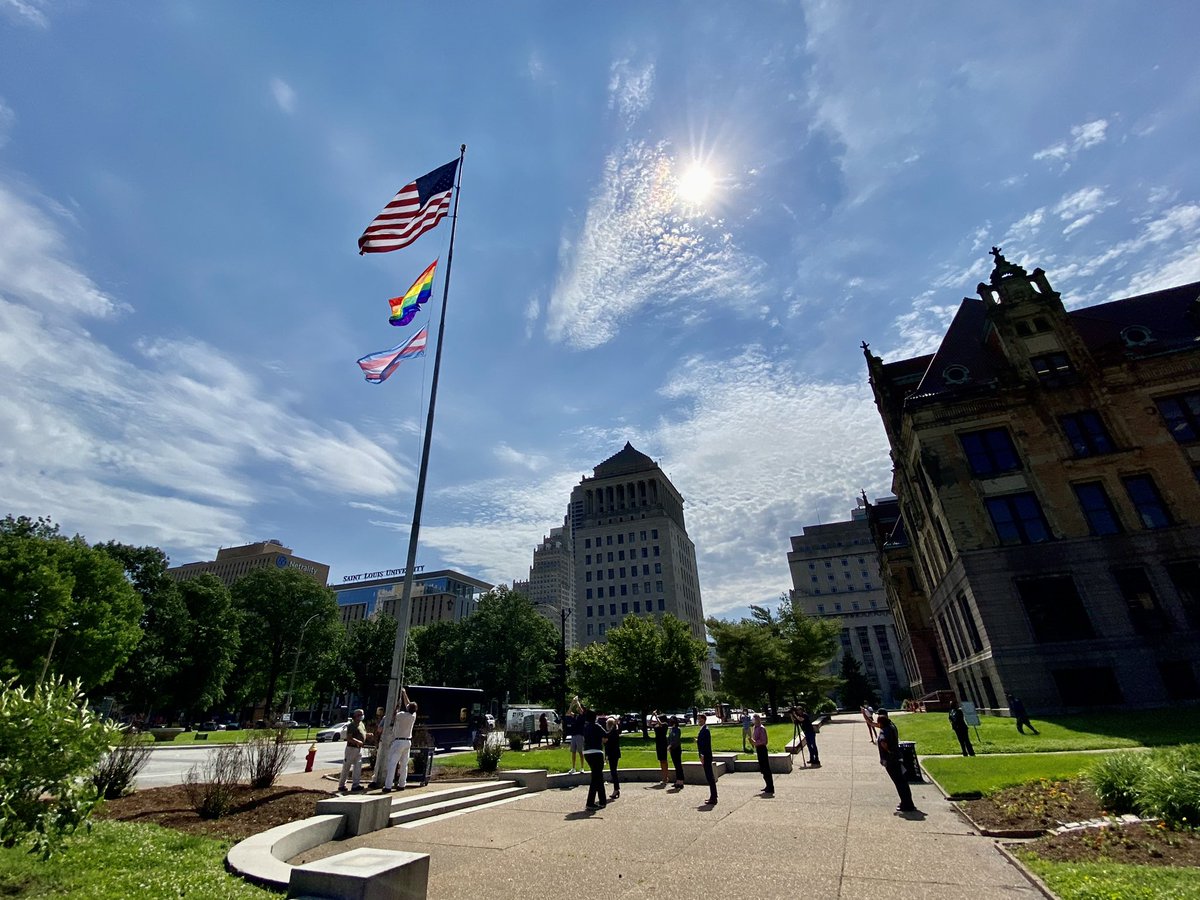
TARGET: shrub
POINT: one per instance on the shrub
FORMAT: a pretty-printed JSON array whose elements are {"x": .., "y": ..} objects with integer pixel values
[
  {"x": 210, "y": 785},
  {"x": 1171, "y": 787},
  {"x": 1117, "y": 780},
  {"x": 516, "y": 742},
  {"x": 267, "y": 755},
  {"x": 489, "y": 754},
  {"x": 49, "y": 741},
  {"x": 117, "y": 769},
  {"x": 825, "y": 707}
]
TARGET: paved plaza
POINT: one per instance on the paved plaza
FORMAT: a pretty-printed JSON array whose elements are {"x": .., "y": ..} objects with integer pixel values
[{"x": 828, "y": 832}]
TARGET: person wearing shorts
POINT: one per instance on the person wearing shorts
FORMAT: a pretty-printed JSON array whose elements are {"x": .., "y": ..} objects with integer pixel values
[{"x": 577, "y": 736}]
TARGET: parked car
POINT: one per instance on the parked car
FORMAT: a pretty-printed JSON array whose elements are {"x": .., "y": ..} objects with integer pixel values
[
  {"x": 333, "y": 732},
  {"x": 491, "y": 720},
  {"x": 210, "y": 726}
]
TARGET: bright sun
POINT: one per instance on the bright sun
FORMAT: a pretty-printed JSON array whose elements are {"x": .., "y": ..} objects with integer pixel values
[{"x": 695, "y": 185}]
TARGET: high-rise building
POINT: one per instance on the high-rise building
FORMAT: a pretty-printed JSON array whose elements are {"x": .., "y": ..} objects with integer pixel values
[
  {"x": 835, "y": 576},
  {"x": 440, "y": 596},
  {"x": 551, "y": 584},
  {"x": 234, "y": 562},
  {"x": 1047, "y": 465},
  {"x": 633, "y": 555}
]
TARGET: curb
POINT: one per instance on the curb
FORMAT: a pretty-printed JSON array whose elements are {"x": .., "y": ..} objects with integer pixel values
[{"x": 1025, "y": 871}]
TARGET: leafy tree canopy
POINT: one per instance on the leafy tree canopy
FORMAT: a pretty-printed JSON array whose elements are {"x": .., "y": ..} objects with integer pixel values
[
  {"x": 511, "y": 649},
  {"x": 643, "y": 665},
  {"x": 856, "y": 690},
  {"x": 62, "y": 601}
]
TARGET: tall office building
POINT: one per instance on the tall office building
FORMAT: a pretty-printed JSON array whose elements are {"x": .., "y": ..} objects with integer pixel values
[
  {"x": 440, "y": 596},
  {"x": 835, "y": 575},
  {"x": 633, "y": 555},
  {"x": 1047, "y": 464},
  {"x": 234, "y": 562},
  {"x": 551, "y": 584}
]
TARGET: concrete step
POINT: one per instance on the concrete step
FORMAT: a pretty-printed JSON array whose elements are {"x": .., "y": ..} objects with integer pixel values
[{"x": 416, "y": 808}]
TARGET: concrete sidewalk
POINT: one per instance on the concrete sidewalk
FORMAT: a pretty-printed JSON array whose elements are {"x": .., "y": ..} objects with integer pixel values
[{"x": 828, "y": 832}]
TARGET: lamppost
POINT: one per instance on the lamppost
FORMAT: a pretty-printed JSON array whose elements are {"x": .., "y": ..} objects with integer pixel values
[
  {"x": 287, "y": 705},
  {"x": 563, "y": 612}
]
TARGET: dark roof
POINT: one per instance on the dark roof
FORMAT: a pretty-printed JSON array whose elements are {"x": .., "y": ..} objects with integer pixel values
[{"x": 625, "y": 462}]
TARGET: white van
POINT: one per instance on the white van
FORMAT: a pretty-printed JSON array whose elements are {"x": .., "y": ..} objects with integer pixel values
[{"x": 525, "y": 722}]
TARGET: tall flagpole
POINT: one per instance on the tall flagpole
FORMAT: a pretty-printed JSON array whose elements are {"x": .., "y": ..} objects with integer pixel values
[{"x": 405, "y": 611}]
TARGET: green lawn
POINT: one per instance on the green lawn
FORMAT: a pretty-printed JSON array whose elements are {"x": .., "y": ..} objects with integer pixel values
[
  {"x": 119, "y": 860},
  {"x": 1111, "y": 881},
  {"x": 194, "y": 738},
  {"x": 986, "y": 774},
  {"x": 1095, "y": 731}
]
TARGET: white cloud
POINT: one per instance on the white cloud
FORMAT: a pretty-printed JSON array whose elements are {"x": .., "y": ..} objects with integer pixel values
[
  {"x": 284, "y": 94},
  {"x": 29, "y": 10},
  {"x": 1083, "y": 137},
  {"x": 1084, "y": 200},
  {"x": 506, "y": 454},
  {"x": 638, "y": 248},
  {"x": 630, "y": 89},
  {"x": 173, "y": 446}
]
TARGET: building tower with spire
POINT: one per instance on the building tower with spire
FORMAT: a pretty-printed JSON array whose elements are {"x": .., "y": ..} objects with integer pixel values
[{"x": 633, "y": 556}]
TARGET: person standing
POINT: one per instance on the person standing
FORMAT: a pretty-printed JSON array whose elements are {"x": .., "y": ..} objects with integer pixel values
[
  {"x": 675, "y": 745},
  {"x": 593, "y": 751},
  {"x": 868, "y": 714},
  {"x": 958, "y": 722},
  {"x": 887, "y": 739},
  {"x": 746, "y": 737},
  {"x": 544, "y": 730},
  {"x": 356, "y": 739},
  {"x": 612, "y": 749},
  {"x": 577, "y": 733},
  {"x": 1017, "y": 708},
  {"x": 759, "y": 738},
  {"x": 660, "y": 744},
  {"x": 403, "y": 719},
  {"x": 704, "y": 747},
  {"x": 809, "y": 729}
]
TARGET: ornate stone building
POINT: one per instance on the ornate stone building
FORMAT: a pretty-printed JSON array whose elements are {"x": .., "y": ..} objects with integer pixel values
[
  {"x": 1047, "y": 465},
  {"x": 551, "y": 584},
  {"x": 632, "y": 551}
]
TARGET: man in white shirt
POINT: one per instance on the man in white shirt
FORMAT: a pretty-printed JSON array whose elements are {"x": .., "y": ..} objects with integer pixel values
[{"x": 403, "y": 720}]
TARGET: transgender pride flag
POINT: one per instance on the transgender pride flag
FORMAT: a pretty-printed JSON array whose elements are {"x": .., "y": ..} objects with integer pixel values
[{"x": 378, "y": 366}]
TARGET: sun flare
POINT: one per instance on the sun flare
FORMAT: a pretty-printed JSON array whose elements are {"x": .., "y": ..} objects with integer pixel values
[{"x": 695, "y": 185}]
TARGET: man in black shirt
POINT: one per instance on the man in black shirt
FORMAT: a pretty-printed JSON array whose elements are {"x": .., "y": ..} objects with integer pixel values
[
  {"x": 888, "y": 742},
  {"x": 593, "y": 753},
  {"x": 704, "y": 747}
]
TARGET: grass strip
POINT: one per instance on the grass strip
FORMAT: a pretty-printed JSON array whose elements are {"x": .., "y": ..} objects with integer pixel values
[
  {"x": 1114, "y": 881},
  {"x": 985, "y": 775},
  {"x": 119, "y": 860}
]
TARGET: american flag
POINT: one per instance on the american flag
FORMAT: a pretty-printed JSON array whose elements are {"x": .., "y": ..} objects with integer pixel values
[
  {"x": 419, "y": 206},
  {"x": 378, "y": 366}
]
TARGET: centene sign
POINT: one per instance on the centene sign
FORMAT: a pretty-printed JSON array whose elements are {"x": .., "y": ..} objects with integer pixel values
[{"x": 386, "y": 573}]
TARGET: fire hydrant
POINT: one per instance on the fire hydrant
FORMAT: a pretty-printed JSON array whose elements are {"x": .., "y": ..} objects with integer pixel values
[{"x": 308, "y": 760}]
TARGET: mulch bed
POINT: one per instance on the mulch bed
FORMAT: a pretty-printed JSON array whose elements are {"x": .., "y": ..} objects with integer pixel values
[
  {"x": 1045, "y": 805},
  {"x": 253, "y": 810}
]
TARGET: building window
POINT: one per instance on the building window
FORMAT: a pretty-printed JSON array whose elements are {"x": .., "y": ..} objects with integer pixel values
[
  {"x": 658, "y": 586},
  {"x": 608, "y": 539},
  {"x": 1185, "y": 575},
  {"x": 1051, "y": 365},
  {"x": 654, "y": 534},
  {"x": 635, "y": 587},
  {"x": 637, "y": 604},
  {"x": 990, "y": 452},
  {"x": 645, "y": 552},
  {"x": 612, "y": 609},
  {"x": 589, "y": 609},
  {"x": 1087, "y": 434},
  {"x": 812, "y": 566},
  {"x": 1054, "y": 608},
  {"x": 820, "y": 609},
  {"x": 624, "y": 590},
  {"x": 662, "y": 604},
  {"x": 601, "y": 629},
  {"x": 642, "y": 535},
  {"x": 646, "y": 588},
  {"x": 968, "y": 618},
  {"x": 1018, "y": 519},
  {"x": 624, "y": 609},
  {"x": 658, "y": 568},
  {"x": 588, "y": 560},
  {"x": 620, "y": 538},
  {"x": 589, "y": 629},
  {"x": 612, "y": 591},
  {"x": 621, "y": 555},
  {"x": 656, "y": 549},
  {"x": 1182, "y": 415},
  {"x": 1097, "y": 508},
  {"x": 622, "y": 571},
  {"x": 1147, "y": 501},
  {"x": 587, "y": 576},
  {"x": 1144, "y": 612}
]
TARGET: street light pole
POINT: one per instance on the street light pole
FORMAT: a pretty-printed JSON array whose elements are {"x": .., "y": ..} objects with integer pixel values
[
  {"x": 287, "y": 705},
  {"x": 562, "y": 662}
]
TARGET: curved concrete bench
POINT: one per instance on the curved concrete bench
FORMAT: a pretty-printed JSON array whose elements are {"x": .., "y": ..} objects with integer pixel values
[{"x": 263, "y": 857}]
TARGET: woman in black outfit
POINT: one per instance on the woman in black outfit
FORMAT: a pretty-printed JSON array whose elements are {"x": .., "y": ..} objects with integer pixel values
[
  {"x": 660, "y": 744},
  {"x": 593, "y": 752},
  {"x": 675, "y": 743},
  {"x": 612, "y": 749}
]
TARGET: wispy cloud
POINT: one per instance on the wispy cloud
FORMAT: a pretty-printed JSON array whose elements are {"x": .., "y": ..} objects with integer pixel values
[
  {"x": 30, "y": 11},
  {"x": 630, "y": 89},
  {"x": 639, "y": 247},
  {"x": 284, "y": 94},
  {"x": 507, "y": 455},
  {"x": 1083, "y": 137}
]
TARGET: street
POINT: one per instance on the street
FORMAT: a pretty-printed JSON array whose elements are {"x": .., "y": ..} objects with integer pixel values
[{"x": 168, "y": 765}]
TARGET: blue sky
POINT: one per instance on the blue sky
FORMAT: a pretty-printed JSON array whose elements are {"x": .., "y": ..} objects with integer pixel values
[{"x": 182, "y": 185}]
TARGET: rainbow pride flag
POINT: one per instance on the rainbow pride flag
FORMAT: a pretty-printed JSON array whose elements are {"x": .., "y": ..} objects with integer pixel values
[{"x": 405, "y": 308}]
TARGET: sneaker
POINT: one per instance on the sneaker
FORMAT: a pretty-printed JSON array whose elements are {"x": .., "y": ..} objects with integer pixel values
[
  {"x": 386, "y": 790},
  {"x": 357, "y": 789},
  {"x": 341, "y": 789},
  {"x": 591, "y": 806},
  {"x": 903, "y": 808}
]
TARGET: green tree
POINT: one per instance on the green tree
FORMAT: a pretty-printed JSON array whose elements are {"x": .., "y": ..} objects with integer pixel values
[
  {"x": 511, "y": 650},
  {"x": 49, "y": 741},
  {"x": 775, "y": 655},
  {"x": 208, "y": 651},
  {"x": 856, "y": 690},
  {"x": 442, "y": 647},
  {"x": 62, "y": 603},
  {"x": 643, "y": 665},
  {"x": 275, "y": 606}
]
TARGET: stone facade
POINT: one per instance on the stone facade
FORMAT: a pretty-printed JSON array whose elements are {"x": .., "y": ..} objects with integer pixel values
[
  {"x": 1047, "y": 465},
  {"x": 234, "y": 562},
  {"x": 551, "y": 584},
  {"x": 633, "y": 555}
]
